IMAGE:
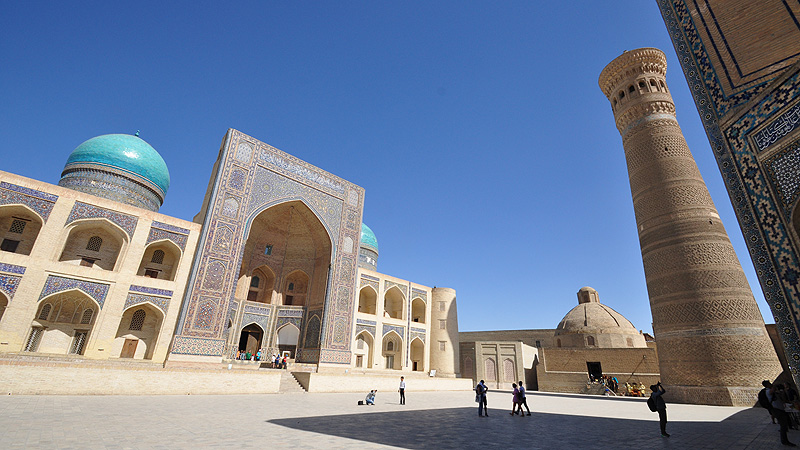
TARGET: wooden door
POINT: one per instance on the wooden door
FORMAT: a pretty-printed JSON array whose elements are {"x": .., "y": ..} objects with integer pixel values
[{"x": 129, "y": 348}]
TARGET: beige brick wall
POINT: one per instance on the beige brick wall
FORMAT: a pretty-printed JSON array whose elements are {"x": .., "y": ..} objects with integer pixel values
[
  {"x": 564, "y": 370},
  {"x": 385, "y": 384}
]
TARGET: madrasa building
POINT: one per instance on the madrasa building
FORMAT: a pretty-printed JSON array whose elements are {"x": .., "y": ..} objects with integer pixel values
[{"x": 277, "y": 260}]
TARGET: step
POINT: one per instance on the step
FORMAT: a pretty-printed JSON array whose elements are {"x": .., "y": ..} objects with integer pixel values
[{"x": 289, "y": 384}]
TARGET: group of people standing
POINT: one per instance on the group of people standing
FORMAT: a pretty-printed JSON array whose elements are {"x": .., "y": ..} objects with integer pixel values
[
  {"x": 519, "y": 399},
  {"x": 774, "y": 398},
  {"x": 278, "y": 361}
]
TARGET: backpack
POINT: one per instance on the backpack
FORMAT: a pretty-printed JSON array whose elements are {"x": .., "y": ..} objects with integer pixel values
[
  {"x": 651, "y": 403},
  {"x": 763, "y": 401}
]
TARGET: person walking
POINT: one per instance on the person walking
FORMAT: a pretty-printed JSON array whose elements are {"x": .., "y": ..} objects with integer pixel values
[
  {"x": 515, "y": 400},
  {"x": 523, "y": 400},
  {"x": 480, "y": 397},
  {"x": 661, "y": 406},
  {"x": 776, "y": 396},
  {"x": 402, "y": 391},
  {"x": 763, "y": 400}
]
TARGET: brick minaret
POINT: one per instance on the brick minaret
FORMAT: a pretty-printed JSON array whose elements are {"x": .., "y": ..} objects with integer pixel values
[{"x": 712, "y": 344}]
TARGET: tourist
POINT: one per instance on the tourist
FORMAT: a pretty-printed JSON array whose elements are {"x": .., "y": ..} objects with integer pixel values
[
  {"x": 661, "y": 406},
  {"x": 283, "y": 363},
  {"x": 402, "y": 391},
  {"x": 523, "y": 400},
  {"x": 480, "y": 397},
  {"x": 371, "y": 397},
  {"x": 248, "y": 355},
  {"x": 258, "y": 355},
  {"x": 515, "y": 399},
  {"x": 777, "y": 396},
  {"x": 763, "y": 400},
  {"x": 277, "y": 362}
]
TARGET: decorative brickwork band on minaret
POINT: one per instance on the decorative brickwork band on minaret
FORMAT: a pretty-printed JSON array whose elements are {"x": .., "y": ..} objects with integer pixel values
[{"x": 712, "y": 345}]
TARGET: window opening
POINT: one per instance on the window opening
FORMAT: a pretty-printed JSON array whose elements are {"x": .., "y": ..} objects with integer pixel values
[
  {"x": 87, "y": 316},
  {"x": 158, "y": 257},
  {"x": 87, "y": 262},
  {"x": 78, "y": 342},
  {"x": 94, "y": 243},
  {"x": 268, "y": 250},
  {"x": 291, "y": 286},
  {"x": 32, "y": 344},
  {"x": 137, "y": 320},
  {"x": 289, "y": 299},
  {"x": 17, "y": 226},
  {"x": 151, "y": 273},
  {"x": 359, "y": 361},
  {"x": 441, "y": 306},
  {"x": 9, "y": 245},
  {"x": 538, "y": 343},
  {"x": 45, "y": 312},
  {"x": 390, "y": 346},
  {"x": 442, "y": 324},
  {"x": 255, "y": 281},
  {"x": 631, "y": 89},
  {"x": 442, "y": 346}
]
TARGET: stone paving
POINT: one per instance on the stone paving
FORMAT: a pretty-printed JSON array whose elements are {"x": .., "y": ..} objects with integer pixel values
[{"x": 430, "y": 420}]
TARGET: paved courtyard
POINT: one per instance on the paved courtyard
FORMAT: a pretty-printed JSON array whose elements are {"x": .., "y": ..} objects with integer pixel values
[{"x": 437, "y": 420}]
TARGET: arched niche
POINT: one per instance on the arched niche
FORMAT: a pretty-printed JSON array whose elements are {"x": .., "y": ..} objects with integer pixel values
[
  {"x": 138, "y": 332},
  {"x": 19, "y": 228},
  {"x": 367, "y": 300},
  {"x": 250, "y": 338},
  {"x": 63, "y": 323},
  {"x": 392, "y": 351},
  {"x": 393, "y": 301},
  {"x": 261, "y": 285},
  {"x": 417, "y": 355},
  {"x": 286, "y": 338},
  {"x": 363, "y": 350},
  {"x": 418, "y": 310},
  {"x": 93, "y": 243},
  {"x": 295, "y": 288},
  {"x": 160, "y": 260},
  {"x": 291, "y": 240}
]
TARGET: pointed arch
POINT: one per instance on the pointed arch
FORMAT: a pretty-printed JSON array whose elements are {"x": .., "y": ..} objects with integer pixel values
[
  {"x": 394, "y": 303},
  {"x": 3, "y": 304},
  {"x": 392, "y": 350},
  {"x": 367, "y": 300},
  {"x": 19, "y": 228},
  {"x": 164, "y": 267},
  {"x": 295, "y": 287},
  {"x": 139, "y": 331},
  {"x": 261, "y": 285},
  {"x": 64, "y": 321},
  {"x": 417, "y": 355},
  {"x": 364, "y": 350},
  {"x": 418, "y": 310},
  {"x": 80, "y": 232}
]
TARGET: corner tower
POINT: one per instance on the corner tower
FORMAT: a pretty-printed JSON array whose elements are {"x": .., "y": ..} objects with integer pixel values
[
  {"x": 712, "y": 344},
  {"x": 444, "y": 333}
]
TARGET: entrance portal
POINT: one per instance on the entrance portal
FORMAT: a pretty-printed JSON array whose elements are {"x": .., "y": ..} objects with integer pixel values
[
  {"x": 250, "y": 340},
  {"x": 595, "y": 370}
]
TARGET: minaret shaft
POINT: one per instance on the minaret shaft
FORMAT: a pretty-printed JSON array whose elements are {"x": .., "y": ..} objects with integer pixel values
[{"x": 712, "y": 344}]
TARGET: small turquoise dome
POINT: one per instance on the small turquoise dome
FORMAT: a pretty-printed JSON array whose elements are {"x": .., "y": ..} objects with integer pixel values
[
  {"x": 368, "y": 239},
  {"x": 124, "y": 152}
]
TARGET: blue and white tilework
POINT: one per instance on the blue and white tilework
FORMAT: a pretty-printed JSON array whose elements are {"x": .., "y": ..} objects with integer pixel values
[
  {"x": 136, "y": 299},
  {"x": 159, "y": 231},
  {"x": 11, "y": 268},
  {"x": 85, "y": 211},
  {"x": 150, "y": 290},
  {"x": 55, "y": 284},
  {"x": 40, "y": 202},
  {"x": 9, "y": 285},
  {"x": 401, "y": 330}
]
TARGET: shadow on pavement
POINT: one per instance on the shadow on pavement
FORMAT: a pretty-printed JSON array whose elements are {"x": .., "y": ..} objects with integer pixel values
[{"x": 459, "y": 428}]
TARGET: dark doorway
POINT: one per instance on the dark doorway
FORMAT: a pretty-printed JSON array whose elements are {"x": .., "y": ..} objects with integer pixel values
[
  {"x": 595, "y": 370},
  {"x": 250, "y": 341}
]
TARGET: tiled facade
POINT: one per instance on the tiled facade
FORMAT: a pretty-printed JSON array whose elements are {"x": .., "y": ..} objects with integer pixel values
[{"x": 747, "y": 95}]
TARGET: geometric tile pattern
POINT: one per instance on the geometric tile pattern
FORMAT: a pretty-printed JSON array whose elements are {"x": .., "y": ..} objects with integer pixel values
[
  {"x": 262, "y": 321},
  {"x": 257, "y": 176},
  {"x": 159, "y": 231},
  {"x": 54, "y": 283},
  {"x": 85, "y": 211},
  {"x": 11, "y": 268},
  {"x": 187, "y": 345},
  {"x": 778, "y": 128},
  {"x": 419, "y": 293},
  {"x": 135, "y": 299},
  {"x": 399, "y": 329},
  {"x": 40, "y": 202},
  {"x": 149, "y": 290},
  {"x": 784, "y": 168},
  {"x": 389, "y": 284},
  {"x": 364, "y": 327},
  {"x": 763, "y": 222},
  {"x": 290, "y": 313},
  {"x": 9, "y": 284},
  {"x": 417, "y": 333}
]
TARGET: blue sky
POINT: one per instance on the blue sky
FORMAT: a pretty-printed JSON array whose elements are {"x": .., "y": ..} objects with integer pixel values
[{"x": 488, "y": 153}]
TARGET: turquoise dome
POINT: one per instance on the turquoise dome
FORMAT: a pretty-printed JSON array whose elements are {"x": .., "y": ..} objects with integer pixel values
[
  {"x": 368, "y": 239},
  {"x": 126, "y": 153}
]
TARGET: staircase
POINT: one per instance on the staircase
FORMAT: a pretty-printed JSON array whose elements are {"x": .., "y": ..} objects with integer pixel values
[{"x": 289, "y": 384}]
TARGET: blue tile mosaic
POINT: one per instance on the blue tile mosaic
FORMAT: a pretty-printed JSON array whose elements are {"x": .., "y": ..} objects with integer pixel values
[
  {"x": 85, "y": 211},
  {"x": 150, "y": 290},
  {"x": 40, "y": 202},
  {"x": 55, "y": 284},
  {"x": 11, "y": 268},
  {"x": 136, "y": 299},
  {"x": 9, "y": 285}
]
